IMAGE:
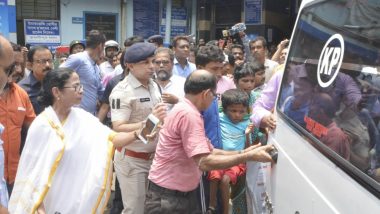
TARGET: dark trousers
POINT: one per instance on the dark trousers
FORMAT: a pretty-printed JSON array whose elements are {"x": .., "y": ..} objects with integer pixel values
[
  {"x": 10, "y": 188},
  {"x": 206, "y": 186},
  {"x": 160, "y": 200},
  {"x": 117, "y": 203}
]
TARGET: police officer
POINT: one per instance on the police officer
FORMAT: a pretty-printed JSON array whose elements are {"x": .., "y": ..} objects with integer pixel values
[
  {"x": 131, "y": 101},
  {"x": 77, "y": 46},
  {"x": 157, "y": 40}
]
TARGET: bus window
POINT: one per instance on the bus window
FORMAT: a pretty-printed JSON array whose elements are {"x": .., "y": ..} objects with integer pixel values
[{"x": 331, "y": 85}]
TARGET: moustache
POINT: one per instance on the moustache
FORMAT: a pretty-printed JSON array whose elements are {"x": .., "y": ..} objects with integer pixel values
[{"x": 163, "y": 75}]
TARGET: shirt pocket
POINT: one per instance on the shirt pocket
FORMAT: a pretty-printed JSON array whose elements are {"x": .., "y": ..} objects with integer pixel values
[
  {"x": 17, "y": 115},
  {"x": 141, "y": 110}
]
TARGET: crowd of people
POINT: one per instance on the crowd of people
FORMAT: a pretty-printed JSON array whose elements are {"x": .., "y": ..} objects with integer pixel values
[{"x": 66, "y": 127}]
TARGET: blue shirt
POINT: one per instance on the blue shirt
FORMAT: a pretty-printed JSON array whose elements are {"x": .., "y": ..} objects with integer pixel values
[
  {"x": 89, "y": 75},
  {"x": 32, "y": 87},
  {"x": 233, "y": 134},
  {"x": 183, "y": 72},
  {"x": 212, "y": 124}
]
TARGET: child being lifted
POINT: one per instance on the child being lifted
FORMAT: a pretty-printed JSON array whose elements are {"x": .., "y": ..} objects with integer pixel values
[{"x": 236, "y": 129}]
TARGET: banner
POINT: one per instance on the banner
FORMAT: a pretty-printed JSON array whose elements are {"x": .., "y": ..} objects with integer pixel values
[{"x": 42, "y": 32}]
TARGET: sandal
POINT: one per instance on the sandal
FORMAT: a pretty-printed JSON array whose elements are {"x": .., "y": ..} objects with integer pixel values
[{"x": 211, "y": 210}]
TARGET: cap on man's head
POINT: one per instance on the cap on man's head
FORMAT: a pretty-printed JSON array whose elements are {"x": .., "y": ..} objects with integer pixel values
[
  {"x": 138, "y": 52},
  {"x": 156, "y": 39},
  {"x": 74, "y": 42}
]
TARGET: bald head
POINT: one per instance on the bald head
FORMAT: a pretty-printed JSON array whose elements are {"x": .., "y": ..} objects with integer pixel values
[
  {"x": 199, "y": 81},
  {"x": 6, "y": 59},
  {"x": 6, "y": 52}
]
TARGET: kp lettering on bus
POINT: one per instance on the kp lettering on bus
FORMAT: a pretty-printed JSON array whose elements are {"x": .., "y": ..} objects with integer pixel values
[{"x": 330, "y": 58}]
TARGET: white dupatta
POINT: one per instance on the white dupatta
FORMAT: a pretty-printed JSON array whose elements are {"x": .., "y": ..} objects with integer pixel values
[{"x": 67, "y": 167}]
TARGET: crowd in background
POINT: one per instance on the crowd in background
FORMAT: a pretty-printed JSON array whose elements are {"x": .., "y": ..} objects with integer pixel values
[{"x": 219, "y": 83}]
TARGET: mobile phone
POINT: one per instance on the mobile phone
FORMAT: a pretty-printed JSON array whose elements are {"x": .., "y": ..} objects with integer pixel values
[{"x": 149, "y": 127}]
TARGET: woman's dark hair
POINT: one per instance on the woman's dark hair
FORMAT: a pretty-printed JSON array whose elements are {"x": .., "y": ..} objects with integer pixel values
[
  {"x": 55, "y": 78},
  {"x": 195, "y": 84},
  {"x": 248, "y": 69},
  {"x": 234, "y": 96}
]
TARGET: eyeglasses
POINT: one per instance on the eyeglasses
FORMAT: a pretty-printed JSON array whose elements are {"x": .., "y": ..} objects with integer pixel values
[
  {"x": 76, "y": 88},
  {"x": 43, "y": 61},
  {"x": 163, "y": 62}
]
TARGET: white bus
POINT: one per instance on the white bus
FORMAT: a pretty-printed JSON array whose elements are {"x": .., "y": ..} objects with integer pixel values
[{"x": 328, "y": 112}]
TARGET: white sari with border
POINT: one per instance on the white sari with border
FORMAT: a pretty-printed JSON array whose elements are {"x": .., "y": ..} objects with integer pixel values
[{"x": 67, "y": 167}]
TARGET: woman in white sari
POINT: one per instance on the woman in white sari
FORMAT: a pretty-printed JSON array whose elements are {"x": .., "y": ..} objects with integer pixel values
[{"x": 66, "y": 165}]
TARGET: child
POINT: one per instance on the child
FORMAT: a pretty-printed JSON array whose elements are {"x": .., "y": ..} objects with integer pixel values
[
  {"x": 235, "y": 137},
  {"x": 250, "y": 78}
]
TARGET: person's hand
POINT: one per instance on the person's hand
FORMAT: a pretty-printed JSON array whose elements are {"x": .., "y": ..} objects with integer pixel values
[
  {"x": 259, "y": 153},
  {"x": 41, "y": 209},
  {"x": 239, "y": 62},
  {"x": 152, "y": 136},
  {"x": 169, "y": 98},
  {"x": 159, "y": 111},
  {"x": 249, "y": 128},
  {"x": 282, "y": 44},
  {"x": 269, "y": 122}
]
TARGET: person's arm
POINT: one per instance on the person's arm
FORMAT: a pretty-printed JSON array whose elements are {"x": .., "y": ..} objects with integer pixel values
[
  {"x": 30, "y": 115},
  {"x": 266, "y": 102},
  {"x": 123, "y": 126},
  {"x": 103, "y": 111},
  {"x": 169, "y": 98},
  {"x": 280, "y": 47},
  {"x": 219, "y": 159},
  {"x": 41, "y": 209},
  {"x": 158, "y": 111},
  {"x": 124, "y": 138}
]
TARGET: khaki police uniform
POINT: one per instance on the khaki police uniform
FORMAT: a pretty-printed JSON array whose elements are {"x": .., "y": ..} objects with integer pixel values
[{"x": 132, "y": 102}]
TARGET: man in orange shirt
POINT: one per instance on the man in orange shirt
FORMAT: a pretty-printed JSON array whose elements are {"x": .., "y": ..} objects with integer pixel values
[{"x": 16, "y": 112}]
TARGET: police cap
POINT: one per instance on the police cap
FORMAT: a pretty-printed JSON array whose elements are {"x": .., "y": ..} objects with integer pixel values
[
  {"x": 138, "y": 52},
  {"x": 156, "y": 39}
]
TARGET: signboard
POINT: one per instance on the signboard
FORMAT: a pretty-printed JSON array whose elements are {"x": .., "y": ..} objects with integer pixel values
[
  {"x": 42, "y": 32},
  {"x": 77, "y": 20},
  {"x": 253, "y": 12},
  {"x": 104, "y": 22},
  {"x": 145, "y": 17},
  {"x": 178, "y": 22},
  {"x": 4, "y": 24}
]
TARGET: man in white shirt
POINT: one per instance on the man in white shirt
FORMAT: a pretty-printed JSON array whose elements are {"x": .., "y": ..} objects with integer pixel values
[
  {"x": 258, "y": 49},
  {"x": 111, "y": 48},
  {"x": 172, "y": 85}
]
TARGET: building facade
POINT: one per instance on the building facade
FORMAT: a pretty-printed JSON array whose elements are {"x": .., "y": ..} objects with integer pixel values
[{"x": 66, "y": 20}]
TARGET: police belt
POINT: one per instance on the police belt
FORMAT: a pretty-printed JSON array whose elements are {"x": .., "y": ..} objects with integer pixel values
[{"x": 140, "y": 155}]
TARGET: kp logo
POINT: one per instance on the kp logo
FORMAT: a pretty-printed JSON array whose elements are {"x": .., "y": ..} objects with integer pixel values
[{"x": 330, "y": 59}]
